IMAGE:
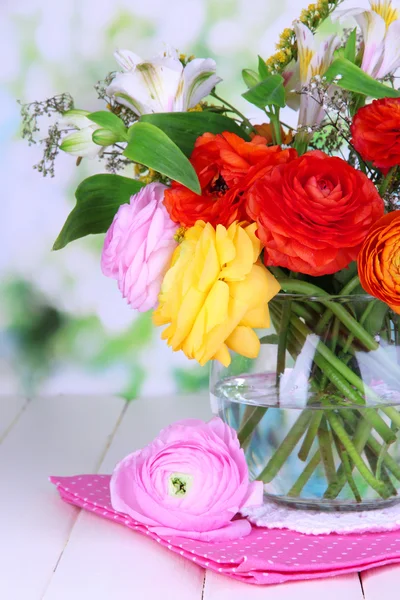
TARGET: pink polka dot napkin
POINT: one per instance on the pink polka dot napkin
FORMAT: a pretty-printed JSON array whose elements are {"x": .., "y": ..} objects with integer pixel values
[{"x": 266, "y": 556}]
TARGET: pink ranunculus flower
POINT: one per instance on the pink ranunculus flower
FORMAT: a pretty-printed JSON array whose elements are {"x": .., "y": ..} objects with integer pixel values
[
  {"x": 189, "y": 482},
  {"x": 139, "y": 245}
]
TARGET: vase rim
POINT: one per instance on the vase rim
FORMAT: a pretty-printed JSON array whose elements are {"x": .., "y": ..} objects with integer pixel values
[{"x": 364, "y": 297}]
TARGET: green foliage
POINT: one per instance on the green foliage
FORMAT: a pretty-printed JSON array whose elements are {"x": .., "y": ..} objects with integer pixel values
[
  {"x": 269, "y": 92},
  {"x": 136, "y": 337},
  {"x": 184, "y": 128},
  {"x": 350, "y": 49},
  {"x": 263, "y": 70},
  {"x": 191, "y": 380},
  {"x": 105, "y": 137},
  {"x": 272, "y": 338},
  {"x": 136, "y": 380},
  {"x": 150, "y": 146},
  {"x": 107, "y": 120},
  {"x": 97, "y": 200},
  {"x": 348, "y": 76},
  {"x": 250, "y": 77},
  {"x": 376, "y": 317}
]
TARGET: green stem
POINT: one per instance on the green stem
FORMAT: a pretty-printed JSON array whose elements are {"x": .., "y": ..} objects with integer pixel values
[
  {"x": 282, "y": 339},
  {"x": 235, "y": 110},
  {"x": 379, "y": 463},
  {"x": 256, "y": 413},
  {"x": 310, "y": 435},
  {"x": 360, "y": 438},
  {"x": 332, "y": 347},
  {"x": 308, "y": 289},
  {"x": 325, "y": 447},
  {"x": 285, "y": 449},
  {"x": 339, "y": 430},
  {"x": 341, "y": 376},
  {"x": 374, "y": 446},
  {"x": 363, "y": 318},
  {"x": 387, "y": 181},
  {"x": 372, "y": 460},
  {"x": 347, "y": 290},
  {"x": 349, "y": 475},
  {"x": 297, "y": 487},
  {"x": 273, "y": 115}
]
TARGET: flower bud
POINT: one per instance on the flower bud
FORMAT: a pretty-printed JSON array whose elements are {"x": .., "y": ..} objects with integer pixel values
[{"x": 105, "y": 137}]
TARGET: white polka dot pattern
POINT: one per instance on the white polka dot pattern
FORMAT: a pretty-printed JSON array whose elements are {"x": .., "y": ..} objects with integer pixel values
[{"x": 266, "y": 556}]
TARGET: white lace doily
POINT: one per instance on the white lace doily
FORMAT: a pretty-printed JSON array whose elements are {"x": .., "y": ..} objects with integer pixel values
[{"x": 278, "y": 516}]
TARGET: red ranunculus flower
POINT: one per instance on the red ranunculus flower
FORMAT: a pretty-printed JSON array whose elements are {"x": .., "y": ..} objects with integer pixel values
[
  {"x": 223, "y": 163},
  {"x": 313, "y": 213},
  {"x": 376, "y": 132}
]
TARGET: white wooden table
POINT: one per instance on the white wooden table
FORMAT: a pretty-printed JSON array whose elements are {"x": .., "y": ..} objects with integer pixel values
[{"x": 52, "y": 551}]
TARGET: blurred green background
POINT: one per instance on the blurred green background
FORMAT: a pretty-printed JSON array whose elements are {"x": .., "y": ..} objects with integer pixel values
[{"x": 63, "y": 326}]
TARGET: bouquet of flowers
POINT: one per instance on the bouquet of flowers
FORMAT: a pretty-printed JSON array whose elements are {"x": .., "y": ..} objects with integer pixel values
[{"x": 223, "y": 226}]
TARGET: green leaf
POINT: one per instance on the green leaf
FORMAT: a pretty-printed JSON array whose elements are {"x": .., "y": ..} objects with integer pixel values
[
  {"x": 350, "y": 77},
  {"x": 262, "y": 69},
  {"x": 376, "y": 317},
  {"x": 272, "y": 338},
  {"x": 250, "y": 77},
  {"x": 97, "y": 200},
  {"x": 107, "y": 120},
  {"x": 150, "y": 146},
  {"x": 350, "y": 49},
  {"x": 185, "y": 128},
  {"x": 270, "y": 91}
]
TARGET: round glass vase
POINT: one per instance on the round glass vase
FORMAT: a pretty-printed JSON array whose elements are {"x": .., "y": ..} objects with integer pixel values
[{"x": 317, "y": 412}]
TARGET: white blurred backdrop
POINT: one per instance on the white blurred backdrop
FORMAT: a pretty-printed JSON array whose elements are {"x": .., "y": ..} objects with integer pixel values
[{"x": 64, "y": 327}]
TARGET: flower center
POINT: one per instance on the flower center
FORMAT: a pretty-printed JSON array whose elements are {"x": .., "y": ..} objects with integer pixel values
[
  {"x": 385, "y": 9},
  {"x": 179, "y": 484},
  {"x": 325, "y": 187},
  {"x": 219, "y": 185},
  {"x": 180, "y": 234}
]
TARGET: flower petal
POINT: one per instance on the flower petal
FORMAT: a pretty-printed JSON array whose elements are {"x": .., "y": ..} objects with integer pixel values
[
  {"x": 391, "y": 52},
  {"x": 127, "y": 60},
  {"x": 198, "y": 80},
  {"x": 80, "y": 143},
  {"x": 373, "y": 29}
]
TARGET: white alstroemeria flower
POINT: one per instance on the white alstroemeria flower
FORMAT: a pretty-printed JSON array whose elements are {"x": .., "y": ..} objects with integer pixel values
[
  {"x": 380, "y": 28},
  {"x": 161, "y": 84},
  {"x": 80, "y": 143},
  {"x": 313, "y": 60}
]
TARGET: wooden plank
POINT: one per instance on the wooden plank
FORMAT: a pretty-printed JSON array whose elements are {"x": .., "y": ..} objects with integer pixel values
[
  {"x": 63, "y": 436},
  {"x": 104, "y": 560},
  {"x": 11, "y": 407},
  {"x": 345, "y": 587},
  {"x": 381, "y": 583}
]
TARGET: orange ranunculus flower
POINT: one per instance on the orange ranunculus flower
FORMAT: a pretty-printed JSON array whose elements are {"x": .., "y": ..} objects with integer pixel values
[
  {"x": 265, "y": 130},
  {"x": 313, "y": 213},
  {"x": 215, "y": 293},
  {"x": 379, "y": 261},
  {"x": 221, "y": 163},
  {"x": 375, "y": 132}
]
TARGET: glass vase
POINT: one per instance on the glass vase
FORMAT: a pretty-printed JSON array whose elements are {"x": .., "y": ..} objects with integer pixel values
[{"x": 317, "y": 412}]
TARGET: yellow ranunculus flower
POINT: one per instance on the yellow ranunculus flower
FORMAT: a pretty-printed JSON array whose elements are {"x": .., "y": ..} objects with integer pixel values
[{"x": 215, "y": 292}]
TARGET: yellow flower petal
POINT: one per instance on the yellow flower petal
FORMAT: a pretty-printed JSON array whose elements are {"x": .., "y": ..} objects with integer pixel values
[
  {"x": 241, "y": 265},
  {"x": 251, "y": 232},
  {"x": 244, "y": 341},
  {"x": 257, "y": 317},
  {"x": 215, "y": 292},
  {"x": 225, "y": 246},
  {"x": 223, "y": 355}
]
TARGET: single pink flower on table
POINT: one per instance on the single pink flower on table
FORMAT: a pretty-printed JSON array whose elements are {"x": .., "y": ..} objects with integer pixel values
[
  {"x": 189, "y": 482},
  {"x": 139, "y": 245}
]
